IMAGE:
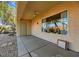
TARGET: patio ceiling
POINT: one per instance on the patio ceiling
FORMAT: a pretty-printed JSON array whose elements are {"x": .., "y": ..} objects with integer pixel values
[
  {"x": 32, "y": 9},
  {"x": 20, "y": 8}
]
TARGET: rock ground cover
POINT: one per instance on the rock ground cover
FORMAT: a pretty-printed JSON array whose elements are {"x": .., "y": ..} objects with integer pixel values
[{"x": 8, "y": 46}]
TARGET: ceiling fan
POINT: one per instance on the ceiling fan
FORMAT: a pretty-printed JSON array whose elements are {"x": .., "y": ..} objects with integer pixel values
[{"x": 35, "y": 13}]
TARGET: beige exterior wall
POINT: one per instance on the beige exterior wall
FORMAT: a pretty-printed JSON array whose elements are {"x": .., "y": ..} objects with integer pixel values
[
  {"x": 73, "y": 25},
  {"x": 23, "y": 27},
  {"x": 29, "y": 27}
]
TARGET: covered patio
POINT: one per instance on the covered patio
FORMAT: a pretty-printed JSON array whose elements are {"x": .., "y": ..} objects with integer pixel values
[{"x": 32, "y": 41}]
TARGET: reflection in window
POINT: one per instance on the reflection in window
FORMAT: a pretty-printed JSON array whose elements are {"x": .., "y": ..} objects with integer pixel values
[{"x": 56, "y": 23}]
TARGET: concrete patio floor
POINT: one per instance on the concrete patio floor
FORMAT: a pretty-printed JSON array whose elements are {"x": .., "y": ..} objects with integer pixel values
[{"x": 31, "y": 46}]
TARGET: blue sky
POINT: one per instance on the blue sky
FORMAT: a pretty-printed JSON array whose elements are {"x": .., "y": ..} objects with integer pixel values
[{"x": 12, "y": 3}]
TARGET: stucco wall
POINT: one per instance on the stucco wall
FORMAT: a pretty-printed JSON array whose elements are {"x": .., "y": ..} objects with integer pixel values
[
  {"x": 23, "y": 27},
  {"x": 73, "y": 25}
]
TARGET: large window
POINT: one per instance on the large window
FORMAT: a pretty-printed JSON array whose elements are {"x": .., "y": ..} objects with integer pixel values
[{"x": 56, "y": 23}]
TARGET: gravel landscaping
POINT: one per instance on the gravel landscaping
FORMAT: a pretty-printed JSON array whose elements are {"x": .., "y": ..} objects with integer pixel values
[{"x": 8, "y": 46}]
